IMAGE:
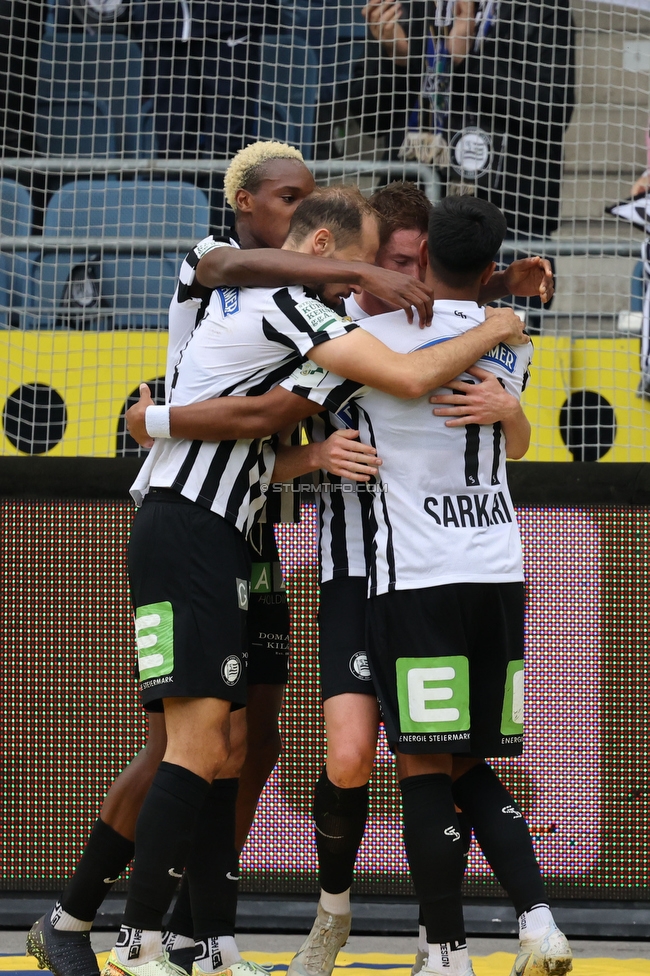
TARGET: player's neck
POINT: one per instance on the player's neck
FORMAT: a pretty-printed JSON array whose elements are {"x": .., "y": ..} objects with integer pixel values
[
  {"x": 247, "y": 236},
  {"x": 372, "y": 305},
  {"x": 443, "y": 292}
]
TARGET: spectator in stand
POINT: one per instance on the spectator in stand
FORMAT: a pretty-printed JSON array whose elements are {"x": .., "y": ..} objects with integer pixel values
[
  {"x": 21, "y": 28},
  {"x": 497, "y": 97},
  {"x": 202, "y": 68}
]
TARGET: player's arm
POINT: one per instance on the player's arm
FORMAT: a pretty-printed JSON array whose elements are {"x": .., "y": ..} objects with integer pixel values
[
  {"x": 219, "y": 419},
  {"x": 526, "y": 278},
  {"x": 361, "y": 357},
  {"x": 272, "y": 268},
  {"x": 341, "y": 454},
  {"x": 485, "y": 402}
]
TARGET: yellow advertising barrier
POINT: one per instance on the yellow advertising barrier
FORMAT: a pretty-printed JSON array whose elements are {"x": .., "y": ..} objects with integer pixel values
[{"x": 94, "y": 373}]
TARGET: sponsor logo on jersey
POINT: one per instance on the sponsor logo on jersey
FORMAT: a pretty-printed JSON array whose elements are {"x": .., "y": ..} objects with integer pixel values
[
  {"x": 317, "y": 315},
  {"x": 468, "y": 511},
  {"x": 503, "y": 356},
  {"x": 310, "y": 369},
  {"x": 208, "y": 244},
  {"x": 229, "y": 298},
  {"x": 359, "y": 666},
  {"x": 231, "y": 670}
]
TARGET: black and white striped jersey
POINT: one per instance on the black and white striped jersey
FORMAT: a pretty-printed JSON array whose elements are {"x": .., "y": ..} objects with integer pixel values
[
  {"x": 185, "y": 312},
  {"x": 246, "y": 342},
  {"x": 441, "y": 511}
]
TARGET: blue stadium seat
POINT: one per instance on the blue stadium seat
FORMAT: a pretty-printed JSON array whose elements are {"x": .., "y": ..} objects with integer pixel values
[
  {"x": 15, "y": 221},
  {"x": 288, "y": 91},
  {"x": 90, "y": 96},
  {"x": 113, "y": 290}
]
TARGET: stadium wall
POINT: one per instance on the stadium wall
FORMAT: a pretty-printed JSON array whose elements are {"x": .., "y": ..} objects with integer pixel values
[{"x": 71, "y": 721}]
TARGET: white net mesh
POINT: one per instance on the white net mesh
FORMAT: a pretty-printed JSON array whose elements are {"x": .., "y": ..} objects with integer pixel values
[{"x": 118, "y": 119}]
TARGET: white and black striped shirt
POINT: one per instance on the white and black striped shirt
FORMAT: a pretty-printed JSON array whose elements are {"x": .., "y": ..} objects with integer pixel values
[
  {"x": 247, "y": 340},
  {"x": 441, "y": 511}
]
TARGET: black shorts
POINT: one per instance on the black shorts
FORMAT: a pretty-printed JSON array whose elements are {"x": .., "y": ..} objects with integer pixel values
[
  {"x": 447, "y": 662},
  {"x": 268, "y": 612},
  {"x": 189, "y": 572},
  {"x": 342, "y": 645}
]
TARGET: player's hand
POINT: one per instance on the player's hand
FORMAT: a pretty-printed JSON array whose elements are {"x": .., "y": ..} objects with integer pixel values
[
  {"x": 135, "y": 418},
  {"x": 530, "y": 277},
  {"x": 400, "y": 291},
  {"x": 344, "y": 455},
  {"x": 642, "y": 185},
  {"x": 510, "y": 327},
  {"x": 484, "y": 402}
]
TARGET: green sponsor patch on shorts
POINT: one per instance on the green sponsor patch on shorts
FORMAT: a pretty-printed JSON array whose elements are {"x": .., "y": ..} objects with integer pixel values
[
  {"x": 433, "y": 694},
  {"x": 512, "y": 716},
  {"x": 261, "y": 579},
  {"x": 154, "y": 628}
]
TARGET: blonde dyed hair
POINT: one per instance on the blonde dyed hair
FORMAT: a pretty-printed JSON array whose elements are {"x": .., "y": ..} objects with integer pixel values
[{"x": 244, "y": 172}]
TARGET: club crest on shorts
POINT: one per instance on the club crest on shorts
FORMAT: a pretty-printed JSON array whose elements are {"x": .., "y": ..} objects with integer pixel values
[
  {"x": 359, "y": 666},
  {"x": 231, "y": 670}
]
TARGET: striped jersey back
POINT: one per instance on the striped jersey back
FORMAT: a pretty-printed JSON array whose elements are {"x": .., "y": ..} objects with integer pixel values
[{"x": 244, "y": 342}]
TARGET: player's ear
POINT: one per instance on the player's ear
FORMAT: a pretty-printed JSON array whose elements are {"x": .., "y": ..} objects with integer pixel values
[
  {"x": 244, "y": 201},
  {"x": 489, "y": 271},
  {"x": 423, "y": 254},
  {"x": 322, "y": 242}
]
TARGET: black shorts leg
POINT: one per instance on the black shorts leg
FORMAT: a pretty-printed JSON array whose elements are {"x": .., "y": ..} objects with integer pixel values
[
  {"x": 342, "y": 646},
  {"x": 447, "y": 662},
  {"x": 190, "y": 573}
]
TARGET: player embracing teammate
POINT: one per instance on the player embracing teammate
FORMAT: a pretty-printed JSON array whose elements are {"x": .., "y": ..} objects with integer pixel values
[{"x": 224, "y": 482}]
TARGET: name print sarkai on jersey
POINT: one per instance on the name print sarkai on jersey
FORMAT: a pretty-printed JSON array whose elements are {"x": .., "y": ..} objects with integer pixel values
[{"x": 468, "y": 511}]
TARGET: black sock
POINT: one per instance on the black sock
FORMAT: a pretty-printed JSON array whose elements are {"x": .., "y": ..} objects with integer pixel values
[
  {"x": 105, "y": 856},
  {"x": 213, "y": 863},
  {"x": 163, "y": 836},
  {"x": 435, "y": 852},
  {"x": 181, "y": 922},
  {"x": 340, "y": 820},
  {"x": 503, "y": 834}
]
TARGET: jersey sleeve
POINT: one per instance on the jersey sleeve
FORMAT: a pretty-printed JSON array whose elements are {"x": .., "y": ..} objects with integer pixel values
[
  {"x": 313, "y": 382},
  {"x": 187, "y": 274},
  {"x": 300, "y": 322}
]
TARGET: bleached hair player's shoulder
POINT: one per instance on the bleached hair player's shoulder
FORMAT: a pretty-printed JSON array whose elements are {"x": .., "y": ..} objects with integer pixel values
[{"x": 241, "y": 172}]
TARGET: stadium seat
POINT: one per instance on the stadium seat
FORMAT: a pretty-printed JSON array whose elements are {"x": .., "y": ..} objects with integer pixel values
[
  {"x": 113, "y": 290},
  {"x": 15, "y": 221},
  {"x": 288, "y": 91},
  {"x": 89, "y": 96}
]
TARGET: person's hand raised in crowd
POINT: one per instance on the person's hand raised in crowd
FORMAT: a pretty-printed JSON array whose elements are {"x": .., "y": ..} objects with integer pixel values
[
  {"x": 642, "y": 185},
  {"x": 530, "y": 277},
  {"x": 461, "y": 33},
  {"x": 383, "y": 18},
  {"x": 135, "y": 418}
]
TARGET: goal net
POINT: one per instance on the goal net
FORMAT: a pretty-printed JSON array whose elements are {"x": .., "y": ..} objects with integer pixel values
[{"x": 118, "y": 119}]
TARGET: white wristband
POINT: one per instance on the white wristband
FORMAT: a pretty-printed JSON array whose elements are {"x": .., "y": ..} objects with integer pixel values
[{"x": 157, "y": 421}]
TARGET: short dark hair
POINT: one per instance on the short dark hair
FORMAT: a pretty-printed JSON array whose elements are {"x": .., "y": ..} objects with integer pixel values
[
  {"x": 465, "y": 234},
  {"x": 402, "y": 206},
  {"x": 339, "y": 208}
]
